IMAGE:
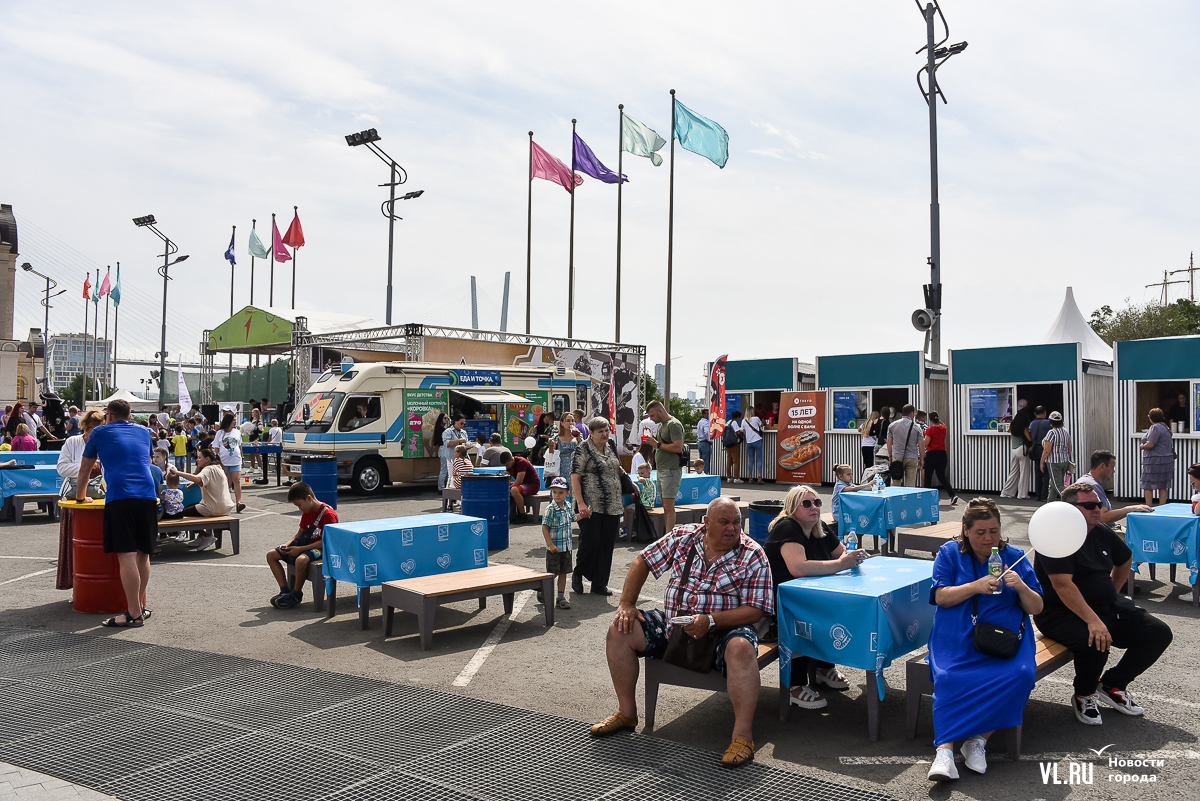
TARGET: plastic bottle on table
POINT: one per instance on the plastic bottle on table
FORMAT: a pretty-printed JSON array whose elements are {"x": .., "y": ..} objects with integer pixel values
[
  {"x": 851, "y": 541},
  {"x": 996, "y": 568},
  {"x": 879, "y": 482}
]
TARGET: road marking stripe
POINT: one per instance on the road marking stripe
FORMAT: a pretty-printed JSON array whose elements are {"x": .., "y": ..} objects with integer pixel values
[
  {"x": 1047, "y": 756},
  {"x": 30, "y": 575},
  {"x": 493, "y": 640},
  {"x": 39, "y": 558}
]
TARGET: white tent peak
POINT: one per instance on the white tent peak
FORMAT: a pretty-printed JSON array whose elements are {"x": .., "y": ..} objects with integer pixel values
[{"x": 1070, "y": 326}]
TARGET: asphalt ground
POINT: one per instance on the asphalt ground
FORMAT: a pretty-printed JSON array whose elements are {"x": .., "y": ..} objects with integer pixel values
[{"x": 214, "y": 601}]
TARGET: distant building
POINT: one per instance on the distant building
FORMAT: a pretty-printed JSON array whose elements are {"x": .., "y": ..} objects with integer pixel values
[
  {"x": 660, "y": 378},
  {"x": 691, "y": 396},
  {"x": 70, "y": 353}
]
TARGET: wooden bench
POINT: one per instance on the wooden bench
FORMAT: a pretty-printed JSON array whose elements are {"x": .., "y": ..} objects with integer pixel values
[
  {"x": 46, "y": 501},
  {"x": 450, "y": 496},
  {"x": 422, "y": 596},
  {"x": 315, "y": 576},
  {"x": 659, "y": 672},
  {"x": 1049, "y": 657},
  {"x": 215, "y": 524},
  {"x": 926, "y": 538}
]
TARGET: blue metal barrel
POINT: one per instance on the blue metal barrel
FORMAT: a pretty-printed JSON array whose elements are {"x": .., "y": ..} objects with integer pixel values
[
  {"x": 320, "y": 473},
  {"x": 486, "y": 496},
  {"x": 761, "y": 515}
]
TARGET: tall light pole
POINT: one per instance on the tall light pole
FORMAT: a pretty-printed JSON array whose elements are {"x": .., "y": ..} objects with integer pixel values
[
  {"x": 399, "y": 176},
  {"x": 169, "y": 248},
  {"x": 936, "y": 55},
  {"x": 50, "y": 284}
]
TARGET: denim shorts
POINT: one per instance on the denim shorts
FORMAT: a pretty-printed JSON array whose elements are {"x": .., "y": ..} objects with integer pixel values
[
  {"x": 655, "y": 629},
  {"x": 313, "y": 555}
]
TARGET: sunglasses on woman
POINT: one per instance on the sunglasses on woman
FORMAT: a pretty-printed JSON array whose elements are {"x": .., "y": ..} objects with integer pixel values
[
  {"x": 809, "y": 503},
  {"x": 1089, "y": 505}
]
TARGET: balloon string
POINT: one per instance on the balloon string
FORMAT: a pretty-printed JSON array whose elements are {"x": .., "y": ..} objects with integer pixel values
[{"x": 1014, "y": 564}]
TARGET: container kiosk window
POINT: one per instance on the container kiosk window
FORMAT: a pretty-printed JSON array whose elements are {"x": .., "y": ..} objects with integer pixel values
[
  {"x": 990, "y": 409},
  {"x": 1178, "y": 400},
  {"x": 852, "y": 407}
]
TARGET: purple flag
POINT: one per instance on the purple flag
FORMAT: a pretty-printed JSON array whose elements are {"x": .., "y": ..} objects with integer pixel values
[{"x": 585, "y": 161}]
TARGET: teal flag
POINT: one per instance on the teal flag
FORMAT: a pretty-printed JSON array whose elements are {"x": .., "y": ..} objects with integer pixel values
[
  {"x": 641, "y": 140},
  {"x": 116, "y": 290},
  {"x": 257, "y": 249},
  {"x": 701, "y": 135}
]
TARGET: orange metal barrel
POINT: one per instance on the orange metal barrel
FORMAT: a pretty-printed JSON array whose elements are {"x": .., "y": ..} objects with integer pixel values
[{"x": 97, "y": 576}]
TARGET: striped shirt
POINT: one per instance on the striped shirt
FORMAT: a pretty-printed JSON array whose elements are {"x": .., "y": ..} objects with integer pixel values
[
  {"x": 558, "y": 520},
  {"x": 1059, "y": 442},
  {"x": 458, "y": 469}
]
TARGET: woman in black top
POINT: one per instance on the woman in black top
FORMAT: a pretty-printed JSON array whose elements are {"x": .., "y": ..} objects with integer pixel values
[
  {"x": 542, "y": 432},
  {"x": 799, "y": 544}
]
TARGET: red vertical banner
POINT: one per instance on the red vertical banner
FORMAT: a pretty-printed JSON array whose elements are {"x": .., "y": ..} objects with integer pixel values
[
  {"x": 800, "y": 437},
  {"x": 716, "y": 397}
]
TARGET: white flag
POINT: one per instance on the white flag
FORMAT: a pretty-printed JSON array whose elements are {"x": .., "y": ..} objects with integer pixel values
[{"x": 185, "y": 400}]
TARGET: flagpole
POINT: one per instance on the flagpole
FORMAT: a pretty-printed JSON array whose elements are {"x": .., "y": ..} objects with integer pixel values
[
  {"x": 116, "y": 321},
  {"x": 620, "y": 181},
  {"x": 250, "y": 372},
  {"x": 529, "y": 240},
  {"x": 270, "y": 299},
  {"x": 670, "y": 257},
  {"x": 571, "y": 259},
  {"x": 232, "y": 270},
  {"x": 107, "y": 301},
  {"x": 295, "y": 212},
  {"x": 83, "y": 383},
  {"x": 96, "y": 331}
]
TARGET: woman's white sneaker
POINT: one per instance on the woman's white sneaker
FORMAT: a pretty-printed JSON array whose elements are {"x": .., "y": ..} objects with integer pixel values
[
  {"x": 832, "y": 678},
  {"x": 943, "y": 766},
  {"x": 808, "y": 698},
  {"x": 974, "y": 753}
]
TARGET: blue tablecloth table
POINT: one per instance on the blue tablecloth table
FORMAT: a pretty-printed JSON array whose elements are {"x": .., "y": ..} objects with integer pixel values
[
  {"x": 266, "y": 450},
  {"x": 27, "y": 481},
  {"x": 31, "y": 457},
  {"x": 1168, "y": 535},
  {"x": 693, "y": 488},
  {"x": 862, "y": 618},
  {"x": 876, "y": 513},
  {"x": 371, "y": 552},
  {"x": 499, "y": 471}
]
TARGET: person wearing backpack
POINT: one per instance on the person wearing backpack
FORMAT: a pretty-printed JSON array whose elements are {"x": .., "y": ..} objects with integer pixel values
[{"x": 731, "y": 440}]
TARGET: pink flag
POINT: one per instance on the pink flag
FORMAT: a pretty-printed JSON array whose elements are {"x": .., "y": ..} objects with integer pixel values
[
  {"x": 105, "y": 287},
  {"x": 550, "y": 168},
  {"x": 281, "y": 253}
]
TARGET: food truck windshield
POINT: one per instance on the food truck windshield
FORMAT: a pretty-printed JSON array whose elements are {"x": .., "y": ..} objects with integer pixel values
[{"x": 322, "y": 410}]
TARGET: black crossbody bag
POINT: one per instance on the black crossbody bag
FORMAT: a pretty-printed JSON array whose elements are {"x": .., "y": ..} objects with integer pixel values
[
  {"x": 896, "y": 468},
  {"x": 697, "y": 655},
  {"x": 993, "y": 640}
]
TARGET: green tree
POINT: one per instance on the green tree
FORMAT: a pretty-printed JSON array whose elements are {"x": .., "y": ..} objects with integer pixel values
[
  {"x": 1146, "y": 320},
  {"x": 73, "y": 394}
]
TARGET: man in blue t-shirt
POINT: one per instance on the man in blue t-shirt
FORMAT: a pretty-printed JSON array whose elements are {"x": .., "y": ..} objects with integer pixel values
[{"x": 130, "y": 504}]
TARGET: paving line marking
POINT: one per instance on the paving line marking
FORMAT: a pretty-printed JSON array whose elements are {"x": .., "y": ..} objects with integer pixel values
[
  {"x": 30, "y": 575},
  {"x": 1048, "y": 756},
  {"x": 1163, "y": 698},
  {"x": 39, "y": 558},
  {"x": 205, "y": 564},
  {"x": 492, "y": 641}
]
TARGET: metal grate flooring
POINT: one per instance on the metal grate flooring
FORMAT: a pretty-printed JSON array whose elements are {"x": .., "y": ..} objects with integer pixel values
[{"x": 151, "y": 723}]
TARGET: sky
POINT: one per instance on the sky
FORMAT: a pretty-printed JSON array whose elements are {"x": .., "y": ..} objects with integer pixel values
[{"x": 1066, "y": 152}]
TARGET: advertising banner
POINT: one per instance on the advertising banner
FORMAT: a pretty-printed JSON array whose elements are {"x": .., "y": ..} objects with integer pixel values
[
  {"x": 421, "y": 410},
  {"x": 520, "y": 418},
  {"x": 800, "y": 437},
  {"x": 716, "y": 398}
]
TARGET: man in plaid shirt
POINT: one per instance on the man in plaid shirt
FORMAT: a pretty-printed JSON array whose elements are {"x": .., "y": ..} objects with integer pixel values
[{"x": 727, "y": 588}]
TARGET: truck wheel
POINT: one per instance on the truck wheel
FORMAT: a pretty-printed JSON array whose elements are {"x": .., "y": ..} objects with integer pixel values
[{"x": 369, "y": 477}]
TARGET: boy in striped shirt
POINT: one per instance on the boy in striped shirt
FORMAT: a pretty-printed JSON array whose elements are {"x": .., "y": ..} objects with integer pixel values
[{"x": 556, "y": 529}]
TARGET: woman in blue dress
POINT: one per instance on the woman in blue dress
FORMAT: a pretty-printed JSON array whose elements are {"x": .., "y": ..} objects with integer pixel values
[{"x": 975, "y": 694}]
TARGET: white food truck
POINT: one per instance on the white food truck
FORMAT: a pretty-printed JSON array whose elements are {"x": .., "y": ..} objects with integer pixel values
[{"x": 378, "y": 418}]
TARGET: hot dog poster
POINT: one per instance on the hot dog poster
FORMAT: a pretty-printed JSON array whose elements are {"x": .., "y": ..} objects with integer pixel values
[{"x": 800, "y": 437}]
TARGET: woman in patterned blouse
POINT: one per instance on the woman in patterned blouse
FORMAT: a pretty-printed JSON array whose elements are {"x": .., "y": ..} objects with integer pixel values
[{"x": 596, "y": 486}]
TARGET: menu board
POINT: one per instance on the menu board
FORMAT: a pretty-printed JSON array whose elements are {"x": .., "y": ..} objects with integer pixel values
[
  {"x": 800, "y": 437},
  {"x": 519, "y": 419},
  {"x": 849, "y": 409},
  {"x": 985, "y": 408},
  {"x": 421, "y": 410}
]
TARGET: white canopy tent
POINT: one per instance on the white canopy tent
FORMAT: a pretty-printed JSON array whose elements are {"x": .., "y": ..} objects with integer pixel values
[
  {"x": 135, "y": 403},
  {"x": 1071, "y": 327}
]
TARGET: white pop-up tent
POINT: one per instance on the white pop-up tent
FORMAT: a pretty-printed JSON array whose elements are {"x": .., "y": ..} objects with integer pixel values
[
  {"x": 1071, "y": 327},
  {"x": 135, "y": 403}
]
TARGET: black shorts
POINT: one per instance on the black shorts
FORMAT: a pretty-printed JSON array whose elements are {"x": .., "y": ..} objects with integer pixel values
[{"x": 130, "y": 524}]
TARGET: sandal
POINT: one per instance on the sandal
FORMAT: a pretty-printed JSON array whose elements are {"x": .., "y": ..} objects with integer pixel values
[
  {"x": 739, "y": 752},
  {"x": 130, "y": 622},
  {"x": 612, "y": 724},
  {"x": 146, "y": 613}
]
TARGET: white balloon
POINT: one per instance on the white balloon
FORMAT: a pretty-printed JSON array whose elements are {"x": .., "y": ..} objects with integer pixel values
[
  {"x": 1057, "y": 529},
  {"x": 530, "y": 442}
]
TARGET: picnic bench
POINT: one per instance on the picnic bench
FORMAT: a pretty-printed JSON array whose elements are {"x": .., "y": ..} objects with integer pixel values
[
  {"x": 533, "y": 503},
  {"x": 659, "y": 672},
  {"x": 450, "y": 496},
  {"x": 926, "y": 538},
  {"x": 1049, "y": 657},
  {"x": 316, "y": 576},
  {"x": 217, "y": 525},
  {"x": 48, "y": 502},
  {"x": 422, "y": 596}
]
